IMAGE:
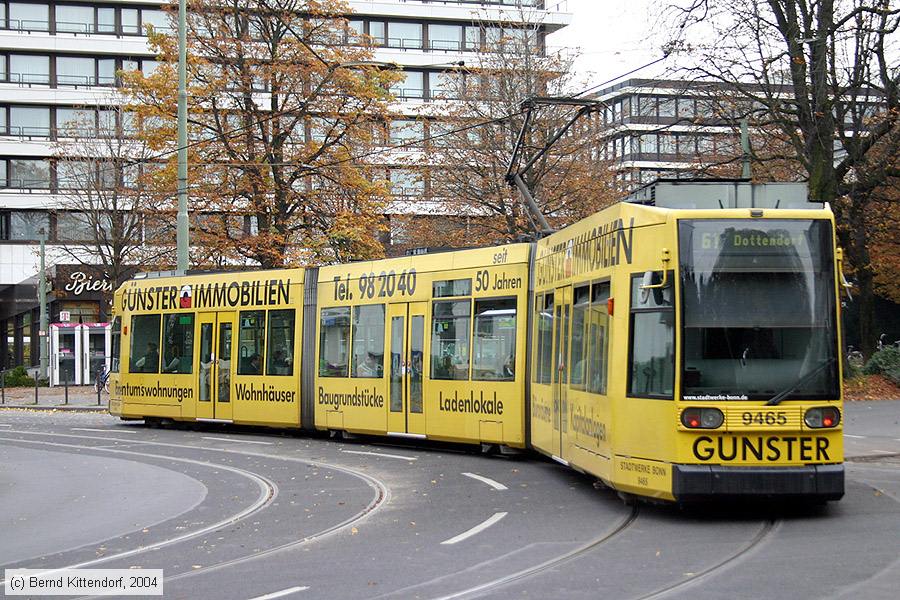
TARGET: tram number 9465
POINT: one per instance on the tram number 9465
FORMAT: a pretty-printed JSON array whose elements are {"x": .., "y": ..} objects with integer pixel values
[
  {"x": 764, "y": 418},
  {"x": 386, "y": 284}
]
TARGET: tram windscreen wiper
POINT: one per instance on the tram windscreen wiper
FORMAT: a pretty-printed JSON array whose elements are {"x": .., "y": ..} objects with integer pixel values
[{"x": 777, "y": 398}]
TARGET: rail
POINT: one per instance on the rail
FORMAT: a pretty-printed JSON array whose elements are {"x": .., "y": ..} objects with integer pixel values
[{"x": 101, "y": 375}]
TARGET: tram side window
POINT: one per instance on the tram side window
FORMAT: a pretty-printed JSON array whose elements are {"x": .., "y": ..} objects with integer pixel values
[
  {"x": 116, "y": 345},
  {"x": 652, "y": 356},
  {"x": 450, "y": 339},
  {"x": 251, "y": 342},
  {"x": 144, "y": 344},
  {"x": 451, "y": 287},
  {"x": 598, "y": 338},
  {"x": 334, "y": 342},
  {"x": 494, "y": 346},
  {"x": 544, "y": 323},
  {"x": 582, "y": 299},
  {"x": 368, "y": 341},
  {"x": 178, "y": 343},
  {"x": 280, "y": 351}
]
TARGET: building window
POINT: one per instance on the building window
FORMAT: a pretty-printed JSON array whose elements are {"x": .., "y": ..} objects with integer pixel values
[
  {"x": 377, "y": 32},
  {"x": 443, "y": 85},
  {"x": 406, "y": 132},
  {"x": 130, "y": 22},
  {"x": 444, "y": 37},
  {"x": 74, "y": 227},
  {"x": 648, "y": 143},
  {"x": 106, "y": 20},
  {"x": 412, "y": 86},
  {"x": 28, "y": 173},
  {"x": 157, "y": 18},
  {"x": 75, "y": 122},
  {"x": 29, "y": 121},
  {"x": 72, "y": 70},
  {"x": 29, "y": 17},
  {"x": 74, "y": 19},
  {"x": 404, "y": 35},
  {"x": 407, "y": 182},
  {"x": 26, "y": 68},
  {"x": 472, "y": 40},
  {"x": 667, "y": 107},
  {"x": 28, "y": 225}
]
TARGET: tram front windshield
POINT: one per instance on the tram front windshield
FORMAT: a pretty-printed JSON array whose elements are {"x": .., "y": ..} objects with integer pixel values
[{"x": 758, "y": 310}]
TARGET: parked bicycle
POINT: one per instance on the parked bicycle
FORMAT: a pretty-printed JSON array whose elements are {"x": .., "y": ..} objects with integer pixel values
[
  {"x": 101, "y": 383},
  {"x": 855, "y": 358}
]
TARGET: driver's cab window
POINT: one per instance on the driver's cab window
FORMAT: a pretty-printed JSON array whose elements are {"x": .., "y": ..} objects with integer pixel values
[{"x": 651, "y": 359}]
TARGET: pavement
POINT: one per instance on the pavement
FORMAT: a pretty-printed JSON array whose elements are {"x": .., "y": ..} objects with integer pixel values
[{"x": 79, "y": 398}]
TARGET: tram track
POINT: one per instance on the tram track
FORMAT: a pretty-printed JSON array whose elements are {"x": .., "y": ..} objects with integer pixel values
[
  {"x": 380, "y": 498},
  {"x": 501, "y": 582},
  {"x": 769, "y": 526}
]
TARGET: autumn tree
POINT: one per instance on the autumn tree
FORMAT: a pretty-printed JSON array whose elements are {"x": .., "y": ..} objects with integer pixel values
[
  {"x": 282, "y": 97},
  {"x": 101, "y": 174},
  {"x": 820, "y": 72},
  {"x": 470, "y": 145}
]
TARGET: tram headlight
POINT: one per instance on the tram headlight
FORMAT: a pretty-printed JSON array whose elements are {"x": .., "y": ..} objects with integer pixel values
[
  {"x": 822, "y": 417},
  {"x": 702, "y": 418}
]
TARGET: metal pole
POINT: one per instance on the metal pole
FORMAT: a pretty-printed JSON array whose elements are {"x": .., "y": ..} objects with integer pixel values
[
  {"x": 745, "y": 151},
  {"x": 43, "y": 326},
  {"x": 35, "y": 390},
  {"x": 2, "y": 387},
  {"x": 183, "y": 227},
  {"x": 66, "y": 383}
]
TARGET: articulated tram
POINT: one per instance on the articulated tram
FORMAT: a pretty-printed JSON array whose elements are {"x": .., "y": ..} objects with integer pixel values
[{"x": 682, "y": 345}]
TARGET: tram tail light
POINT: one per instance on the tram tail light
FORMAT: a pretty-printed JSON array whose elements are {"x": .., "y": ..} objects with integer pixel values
[
  {"x": 610, "y": 306},
  {"x": 823, "y": 417},
  {"x": 702, "y": 418}
]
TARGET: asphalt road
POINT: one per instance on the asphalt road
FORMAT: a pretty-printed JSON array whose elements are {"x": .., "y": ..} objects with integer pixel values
[{"x": 252, "y": 514}]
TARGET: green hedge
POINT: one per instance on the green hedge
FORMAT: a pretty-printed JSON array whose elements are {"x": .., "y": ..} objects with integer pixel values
[
  {"x": 18, "y": 377},
  {"x": 883, "y": 362}
]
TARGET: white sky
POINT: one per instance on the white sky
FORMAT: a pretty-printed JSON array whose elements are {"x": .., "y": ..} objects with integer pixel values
[{"x": 614, "y": 36}]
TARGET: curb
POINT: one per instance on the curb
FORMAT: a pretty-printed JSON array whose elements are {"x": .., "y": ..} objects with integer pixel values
[{"x": 52, "y": 407}]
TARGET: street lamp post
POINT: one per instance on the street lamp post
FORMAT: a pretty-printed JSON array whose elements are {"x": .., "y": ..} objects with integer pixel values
[
  {"x": 183, "y": 231},
  {"x": 44, "y": 320}
]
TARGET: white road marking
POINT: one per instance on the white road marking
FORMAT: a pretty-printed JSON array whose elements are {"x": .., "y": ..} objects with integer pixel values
[
  {"x": 5, "y": 425},
  {"x": 856, "y": 437},
  {"x": 884, "y": 452},
  {"x": 103, "y": 430},
  {"x": 477, "y": 529},
  {"x": 282, "y": 593},
  {"x": 490, "y": 482},
  {"x": 236, "y": 440},
  {"x": 409, "y": 458}
]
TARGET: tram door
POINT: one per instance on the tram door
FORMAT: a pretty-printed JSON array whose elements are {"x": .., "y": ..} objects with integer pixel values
[
  {"x": 214, "y": 370},
  {"x": 405, "y": 350},
  {"x": 560, "y": 375}
]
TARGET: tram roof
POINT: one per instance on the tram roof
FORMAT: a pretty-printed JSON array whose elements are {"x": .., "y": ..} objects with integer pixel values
[{"x": 723, "y": 194}]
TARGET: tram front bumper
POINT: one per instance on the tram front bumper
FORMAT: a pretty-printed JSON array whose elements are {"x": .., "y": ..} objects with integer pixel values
[{"x": 698, "y": 482}]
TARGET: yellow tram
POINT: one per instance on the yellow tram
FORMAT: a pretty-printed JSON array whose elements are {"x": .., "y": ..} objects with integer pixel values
[{"x": 681, "y": 345}]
